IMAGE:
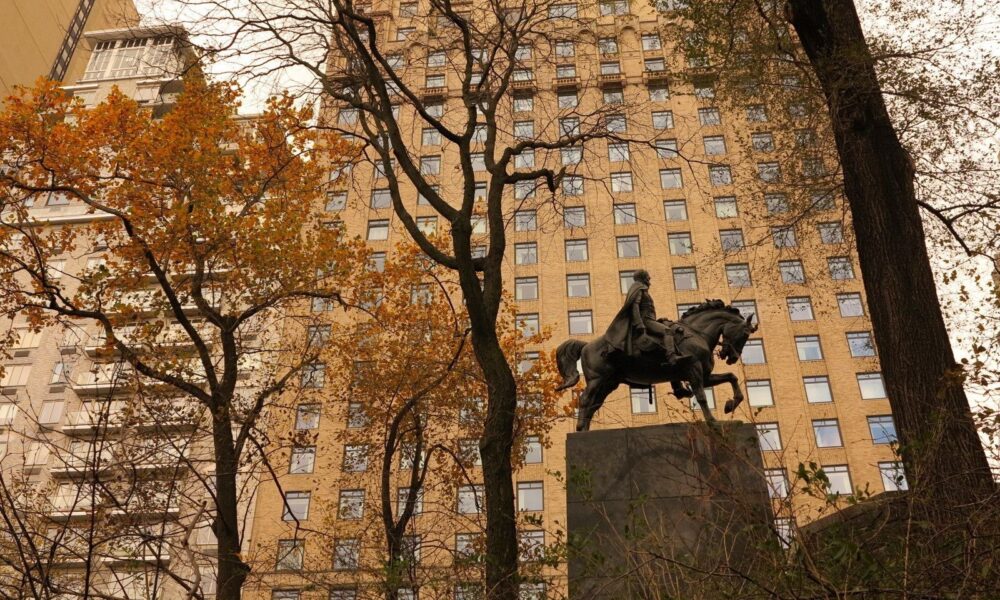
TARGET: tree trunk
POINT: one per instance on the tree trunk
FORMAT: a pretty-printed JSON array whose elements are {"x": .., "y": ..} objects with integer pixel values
[
  {"x": 232, "y": 571},
  {"x": 944, "y": 459}
]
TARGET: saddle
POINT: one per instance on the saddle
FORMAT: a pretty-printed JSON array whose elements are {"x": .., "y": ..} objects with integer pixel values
[{"x": 647, "y": 344}]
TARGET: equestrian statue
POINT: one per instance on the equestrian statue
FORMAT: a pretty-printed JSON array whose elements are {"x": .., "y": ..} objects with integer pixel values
[{"x": 640, "y": 350}]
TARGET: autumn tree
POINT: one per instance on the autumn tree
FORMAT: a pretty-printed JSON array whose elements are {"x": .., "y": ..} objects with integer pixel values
[
  {"x": 894, "y": 121},
  {"x": 195, "y": 234}
]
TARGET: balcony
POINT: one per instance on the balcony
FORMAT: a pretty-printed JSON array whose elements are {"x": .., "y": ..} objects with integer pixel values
[
  {"x": 523, "y": 84},
  {"x": 566, "y": 83},
  {"x": 611, "y": 79},
  {"x": 171, "y": 337},
  {"x": 82, "y": 460},
  {"x": 660, "y": 75},
  {"x": 106, "y": 416},
  {"x": 435, "y": 92},
  {"x": 110, "y": 378}
]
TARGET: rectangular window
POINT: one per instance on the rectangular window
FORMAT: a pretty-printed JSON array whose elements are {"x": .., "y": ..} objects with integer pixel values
[
  {"x": 679, "y": 243},
  {"x": 427, "y": 225},
  {"x": 296, "y": 506},
  {"x": 756, "y": 113},
  {"x": 381, "y": 198},
  {"x": 762, "y": 142},
  {"x": 576, "y": 250},
  {"x": 613, "y": 7},
  {"x": 823, "y": 201},
  {"x": 709, "y": 116},
  {"x": 345, "y": 555},
  {"x": 530, "y": 496},
  {"x": 563, "y": 11},
  {"x": 784, "y": 237},
  {"x": 430, "y": 165},
  {"x": 663, "y": 120},
  {"x": 403, "y": 496},
  {"x": 738, "y": 275},
  {"x": 658, "y": 91},
  {"x": 643, "y": 399},
  {"x": 569, "y": 126},
  {"x": 313, "y": 376},
  {"x": 831, "y": 233},
  {"x": 568, "y": 99},
  {"x": 355, "y": 458},
  {"x": 565, "y": 48},
  {"x": 840, "y": 268},
  {"x": 792, "y": 271},
  {"x": 776, "y": 204},
  {"x": 532, "y": 546},
  {"x": 526, "y": 288},
  {"x": 871, "y": 386},
  {"x": 356, "y": 416},
  {"x": 404, "y": 32},
  {"x": 581, "y": 322},
  {"x": 578, "y": 285},
  {"x": 607, "y": 46},
  {"x": 654, "y": 65},
  {"x": 303, "y": 460},
  {"x": 621, "y": 182},
  {"x": 726, "y": 208},
  {"x": 574, "y": 216},
  {"x": 720, "y": 175},
  {"x": 524, "y": 129},
  {"x": 882, "y": 429},
  {"x": 753, "y": 353},
  {"x": 827, "y": 433},
  {"x": 715, "y": 144},
  {"x": 572, "y": 185},
  {"x": 524, "y": 103},
  {"x": 769, "y": 172},
  {"x": 291, "y": 554},
  {"x": 532, "y": 450},
  {"x": 666, "y": 148},
  {"x": 526, "y": 254},
  {"x": 759, "y": 392},
  {"x": 616, "y": 124},
  {"x": 528, "y": 324},
  {"x": 675, "y": 210},
  {"x": 628, "y": 246},
  {"x": 525, "y": 220},
  {"x": 335, "y": 201},
  {"x": 614, "y": 95},
  {"x": 746, "y": 307},
  {"x": 571, "y": 155},
  {"x": 470, "y": 499},
  {"x": 808, "y": 347},
  {"x": 51, "y": 411},
  {"x": 670, "y": 179},
  {"x": 618, "y": 152},
  {"x": 777, "y": 483},
  {"x": 800, "y": 308},
  {"x": 351, "y": 504},
  {"x": 651, "y": 41},
  {"x": 685, "y": 278},
  {"x": 840, "y": 480},
  {"x": 861, "y": 344},
  {"x": 430, "y": 137},
  {"x": 624, "y": 214},
  {"x": 565, "y": 71},
  {"x": 893, "y": 476},
  {"x": 768, "y": 436},
  {"x": 378, "y": 230},
  {"x": 818, "y": 389}
]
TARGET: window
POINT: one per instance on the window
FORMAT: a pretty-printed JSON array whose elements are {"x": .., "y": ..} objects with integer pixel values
[
  {"x": 378, "y": 230},
  {"x": 762, "y": 142},
  {"x": 313, "y": 375},
  {"x": 532, "y": 545},
  {"x": 768, "y": 436},
  {"x": 467, "y": 544},
  {"x": 618, "y": 152},
  {"x": 578, "y": 286},
  {"x": 345, "y": 555},
  {"x": 893, "y": 476},
  {"x": 574, "y": 216},
  {"x": 430, "y": 165},
  {"x": 840, "y": 268},
  {"x": 524, "y": 190},
  {"x": 335, "y": 201},
  {"x": 422, "y": 200},
  {"x": 581, "y": 322},
  {"x": 769, "y": 172},
  {"x": 831, "y": 233},
  {"x": 613, "y": 7},
  {"x": 675, "y": 210},
  {"x": 756, "y": 113},
  {"x": 666, "y": 148},
  {"x": 614, "y": 96},
  {"x": 651, "y": 41},
  {"x": 526, "y": 254},
  {"x": 659, "y": 91},
  {"x": 523, "y": 52},
  {"x": 663, "y": 120},
  {"x": 355, "y": 458},
  {"x": 7, "y": 412},
  {"x": 827, "y": 433},
  {"x": 731, "y": 239},
  {"x": 670, "y": 179},
  {"x": 685, "y": 278},
  {"x": 469, "y": 499},
  {"x": 628, "y": 246},
  {"x": 525, "y": 220},
  {"x": 654, "y": 65},
  {"x": 356, "y": 416},
  {"x": 430, "y": 137},
  {"x": 478, "y": 160},
  {"x": 528, "y": 324},
  {"x": 616, "y": 124},
  {"x": 800, "y": 308},
  {"x": 532, "y": 450},
  {"x": 871, "y": 386},
  {"x": 753, "y": 353},
  {"x": 381, "y": 198},
  {"x": 296, "y": 506},
  {"x": 679, "y": 243},
  {"x": 569, "y": 126},
  {"x": 351, "y": 504},
  {"x": 792, "y": 271},
  {"x": 343, "y": 594},
  {"x": 621, "y": 182},
  {"x": 290, "y": 555},
  {"x": 715, "y": 144},
  {"x": 576, "y": 250},
  {"x": 777, "y": 483},
  {"x": 526, "y": 288},
  {"x": 564, "y": 11},
  {"x": 572, "y": 185},
  {"x": 759, "y": 392},
  {"x": 726, "y": 208},
  {"x": 709, "y": 396},
  {"x": 303, "y": 460},
  {"x": 568, "y": 99},
  {"x": 840, "y": 480},
  {"x": 704, "y": 89},
  {"x": 51, "y": 411},
  {"x": 285, "y": 595},
  {"x": 861, "y": 344},
  {"x": 709, "y": 116},
  {"x": 524, "y": 129},
  {"x": 607, "y": 46},
  {"x": 404, "y": 32},
  {"x": 571, "y": 155},
  {"x": 524, "y": 103},
  {"x": 784, "y": 237},
  {"x": 643, "y": 399},
  {"x": 531, "y": 591},
  {"x": 624, "y": 214},
  {"x": 776, "y": 204},
  {"x": 427, "y": 225},
  {"x": 805, "y": 138},
  {"x": 823, "y": 201},
  {"x": 565, "y": 48},
  {"x": 59, "y": 373},
  {"x": 524, "y": 160},
  {"x": 808, "y": 347},
  {"x": 818, "y": 389},
  {"x": 883, "y": 429},
  {"x": 565, "y": 71},
  {"x": 720, "y": 175},
  {"x": 738, "y": 275},
  {"x": 403, "y": 493},
  {"x": 625, "y": 280},
  {"x": 530, "y": 496}
]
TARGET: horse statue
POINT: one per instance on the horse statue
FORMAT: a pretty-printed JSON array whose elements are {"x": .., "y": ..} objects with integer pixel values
[{"x": 703, "y": 326}]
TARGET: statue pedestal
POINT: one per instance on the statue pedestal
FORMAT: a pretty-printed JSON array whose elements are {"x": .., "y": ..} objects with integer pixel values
[{"x": 652, "y": 510}]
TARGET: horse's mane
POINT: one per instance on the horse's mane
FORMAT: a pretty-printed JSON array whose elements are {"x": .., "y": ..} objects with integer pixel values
[{"x": 711, "y": 305}]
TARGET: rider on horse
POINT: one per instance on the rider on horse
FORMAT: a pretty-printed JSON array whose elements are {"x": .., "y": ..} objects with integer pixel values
[{"x": 636, "y": 330}]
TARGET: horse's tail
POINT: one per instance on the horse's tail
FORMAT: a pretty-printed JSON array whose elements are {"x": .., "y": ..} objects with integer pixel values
[{"x": 567, "y": 355}]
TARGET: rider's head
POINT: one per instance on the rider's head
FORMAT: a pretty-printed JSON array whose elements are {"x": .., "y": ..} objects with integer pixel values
[{"x": 641, "y": 275}]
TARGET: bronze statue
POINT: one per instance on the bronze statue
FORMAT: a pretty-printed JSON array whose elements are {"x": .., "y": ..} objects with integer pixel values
[{"x": 632, "y": 360}]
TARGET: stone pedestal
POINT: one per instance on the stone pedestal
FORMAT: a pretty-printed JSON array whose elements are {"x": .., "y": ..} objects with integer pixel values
[{"x": 652, "y": 509}]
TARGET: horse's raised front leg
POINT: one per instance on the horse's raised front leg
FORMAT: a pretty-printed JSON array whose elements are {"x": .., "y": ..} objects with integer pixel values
[{"x": 716, "y": 378}]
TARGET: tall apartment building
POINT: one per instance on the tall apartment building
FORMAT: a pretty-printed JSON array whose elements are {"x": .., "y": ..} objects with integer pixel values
[
  {"x": 691, "y": 206},
  {"x": 42, "y": 37},
  {"x": 113, "y": 464}
]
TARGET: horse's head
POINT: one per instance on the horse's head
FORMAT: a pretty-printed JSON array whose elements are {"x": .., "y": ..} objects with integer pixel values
[{"x": 734, "y": 337}]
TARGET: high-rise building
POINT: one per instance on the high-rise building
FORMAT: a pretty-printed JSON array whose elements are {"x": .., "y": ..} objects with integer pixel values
[
  {"x": 42, "y": 37},
  {"x": 690, "y": 203}
]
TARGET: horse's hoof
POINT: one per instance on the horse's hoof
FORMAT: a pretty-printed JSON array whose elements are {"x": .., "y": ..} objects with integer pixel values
[{"x": 730, "y": 406}]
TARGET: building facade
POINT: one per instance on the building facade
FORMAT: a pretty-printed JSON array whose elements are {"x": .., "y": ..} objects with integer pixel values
[{"x": 696, "y": 198}]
